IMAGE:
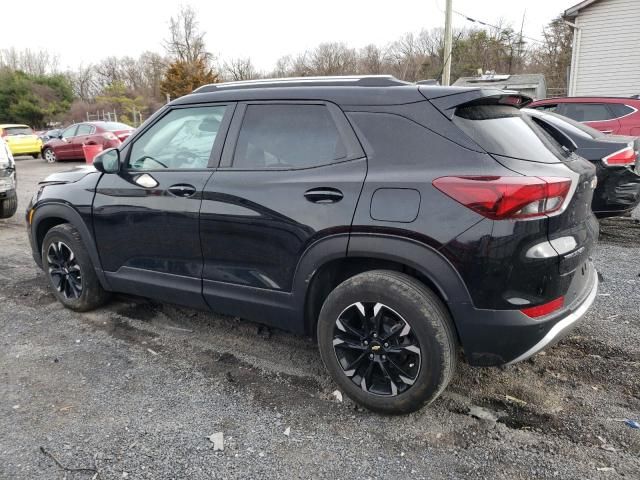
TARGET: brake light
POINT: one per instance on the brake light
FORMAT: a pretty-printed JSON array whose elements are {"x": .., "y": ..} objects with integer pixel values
[
  {"x": 501, "y": 198},
  {"x": 621, "y": 158},
  {"x": 546, "y": 309}
]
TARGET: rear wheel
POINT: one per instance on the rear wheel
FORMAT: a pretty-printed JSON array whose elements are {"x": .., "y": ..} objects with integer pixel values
[
  {"x": 388, "y": 341},
  {"x": 35, "y": 155},
  {"x": 8, "y": 206},
  {"x": 49, "y": 155},
  {"x": 69, "y": 270}
]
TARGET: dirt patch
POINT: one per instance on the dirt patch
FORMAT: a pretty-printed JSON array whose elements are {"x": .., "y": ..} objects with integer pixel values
[{"x": 621, "y": 231}]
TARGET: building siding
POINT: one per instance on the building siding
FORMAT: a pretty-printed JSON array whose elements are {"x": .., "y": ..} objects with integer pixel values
[{"x": 606, "y": 56}]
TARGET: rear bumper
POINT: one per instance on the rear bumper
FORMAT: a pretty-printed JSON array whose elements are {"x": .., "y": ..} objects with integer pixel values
[
  {"x": 563, "y": 326},
  {"x": 498, "y": 337},
  {"x": 28, "y": 149}
]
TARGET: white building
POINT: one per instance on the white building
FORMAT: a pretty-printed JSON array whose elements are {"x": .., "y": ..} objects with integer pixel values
[{"x": 606, "y": 48}]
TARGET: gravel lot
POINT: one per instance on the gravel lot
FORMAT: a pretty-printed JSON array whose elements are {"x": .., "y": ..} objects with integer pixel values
[{"x": 133, "y": 390}]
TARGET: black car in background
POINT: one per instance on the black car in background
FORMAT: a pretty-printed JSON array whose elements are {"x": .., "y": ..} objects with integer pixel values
[
  {"x": 615, "y": 158},
  {"x": 394, "y": 222}
]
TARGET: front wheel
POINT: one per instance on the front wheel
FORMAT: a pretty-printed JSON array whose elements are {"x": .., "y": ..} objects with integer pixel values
[
  {"x": 388, "y": 341},
  {"x": 69, "y": 270},
  {"x": 49, "y": 155}
]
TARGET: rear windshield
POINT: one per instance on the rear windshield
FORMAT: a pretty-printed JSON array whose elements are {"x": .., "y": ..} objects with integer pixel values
[
  {"x": 17, "y": 131},
  {"x": 115, "y": 126},
  {"x": 570, "y": 124},
  {"x": 504, "y": 130}
]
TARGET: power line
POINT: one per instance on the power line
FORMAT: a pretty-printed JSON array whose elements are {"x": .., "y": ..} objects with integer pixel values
[{"x": 475, "y": 20}]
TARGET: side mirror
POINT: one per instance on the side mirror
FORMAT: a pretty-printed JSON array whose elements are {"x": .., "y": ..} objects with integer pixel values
[
  {"x": 60, "y": 136},
  {"x": 108, "y": 161}
]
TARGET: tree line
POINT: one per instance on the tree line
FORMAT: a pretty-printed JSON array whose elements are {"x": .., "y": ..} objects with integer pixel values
[{"x": 33, "y": 90}]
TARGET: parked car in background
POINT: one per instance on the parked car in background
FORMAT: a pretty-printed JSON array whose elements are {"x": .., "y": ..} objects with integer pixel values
[
  {"x": 611, "y": 115},
  {"x": 615, "y": 158},
  {"x": 68, "y": 144},
  {"x": 21, "y": 139},
  {"x": 8, "y": 182},
  {"x": 47, "y": 135},
  {"x": 394, "y": 222}
]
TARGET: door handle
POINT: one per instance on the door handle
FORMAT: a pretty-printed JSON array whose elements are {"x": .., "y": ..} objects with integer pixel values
[
  {"x": 607, "y": 132},
  {"x": 323, "y": 195},
  {"x": 182, "y": 190}
]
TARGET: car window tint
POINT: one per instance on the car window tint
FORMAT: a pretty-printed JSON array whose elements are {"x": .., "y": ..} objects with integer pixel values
[
  {"x": 547, "y": 108},
  {"x": 182, "y": 139},
  {"x": 287, "y": 136},
  {"x": 587, "y": 112},
  {"x": 8, "y": 131},
  {"x": 84, "y": 129},
  {"x": 620, "y": 109},
  {"x": 70, "y": 132},
  {"x": 496, "y": 127}
]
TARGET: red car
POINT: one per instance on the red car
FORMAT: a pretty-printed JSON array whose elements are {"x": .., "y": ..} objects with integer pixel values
[
  {"x": 68, "y": 146},
  {"x": 614, "y": 115}
]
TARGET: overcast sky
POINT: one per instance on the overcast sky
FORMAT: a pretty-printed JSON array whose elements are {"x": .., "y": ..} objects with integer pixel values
[{"x": 84, "y": 31}]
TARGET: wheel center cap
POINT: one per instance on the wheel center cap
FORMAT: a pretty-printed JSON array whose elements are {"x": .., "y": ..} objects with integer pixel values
[{"x": 376, "y": 347}]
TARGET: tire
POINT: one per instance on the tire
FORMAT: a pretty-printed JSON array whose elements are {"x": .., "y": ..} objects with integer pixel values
[
  {"x": 69, "y": 270},
  {"x": 49, "y": 155},
  {"x": 35, "y": 155},
  {"x": 8, "y": 206},
  {"x": 415, "y": 334}
]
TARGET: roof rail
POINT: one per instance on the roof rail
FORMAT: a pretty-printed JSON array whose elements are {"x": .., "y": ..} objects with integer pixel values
[{"x": 337, "y": 81}]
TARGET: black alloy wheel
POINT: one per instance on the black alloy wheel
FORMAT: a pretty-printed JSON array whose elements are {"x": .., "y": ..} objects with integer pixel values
[
  {"x": 65, "y": 273},
  {"x": 377, "y": 348}
]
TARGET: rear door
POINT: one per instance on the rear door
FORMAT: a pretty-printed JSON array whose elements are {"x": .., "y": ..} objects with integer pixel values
[
  {"x": 82, "y": 137},
  {"x": 597, "y": 115},
  {"x": 291, "y": 174},
  {"x": 146, "y": 216}
]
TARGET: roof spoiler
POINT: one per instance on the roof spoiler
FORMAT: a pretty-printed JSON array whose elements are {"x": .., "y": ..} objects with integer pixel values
[{"x": 447, "y": 104}]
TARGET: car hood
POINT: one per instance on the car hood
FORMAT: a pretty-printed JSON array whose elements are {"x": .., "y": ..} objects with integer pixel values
[{"x": 70, "y": 176}]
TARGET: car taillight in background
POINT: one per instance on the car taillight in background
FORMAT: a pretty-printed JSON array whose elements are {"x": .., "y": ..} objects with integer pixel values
[
  {"x": 501, "y": 198},
  {"x": 621, "y": 158}
]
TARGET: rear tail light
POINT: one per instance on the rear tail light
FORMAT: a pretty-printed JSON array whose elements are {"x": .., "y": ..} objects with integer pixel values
[
  {"x": 501, "y": 198},
  {"x": 545, "y": 309},
  {"x": 621, "y": 158}
]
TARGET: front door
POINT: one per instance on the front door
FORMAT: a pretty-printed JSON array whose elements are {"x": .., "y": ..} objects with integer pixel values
[
  {"x": 291, "y": 174},
  {"x": 146, "y": 216},
  {"x": 64, "y": 148}
]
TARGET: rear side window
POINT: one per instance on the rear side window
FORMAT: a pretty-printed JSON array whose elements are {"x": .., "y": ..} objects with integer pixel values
[
  {"x": 287, "y": 137},
  {"x": 504, "y": 130},
  {"x": 587, "y": 112},
  {"x": 548, "y": 107},
  {"x": 620, "y": 109}
]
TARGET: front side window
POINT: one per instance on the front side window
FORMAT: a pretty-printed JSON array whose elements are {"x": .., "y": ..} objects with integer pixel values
[
  {"x": 182, "y": 139},
  {"x": 70, "y": 132},
  {"x": 586, "y": 112},
  {"x": 287, "y": 137}
]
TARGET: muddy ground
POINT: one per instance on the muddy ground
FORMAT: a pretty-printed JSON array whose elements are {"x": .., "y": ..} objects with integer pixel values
[{"x": 134, "y": 389}]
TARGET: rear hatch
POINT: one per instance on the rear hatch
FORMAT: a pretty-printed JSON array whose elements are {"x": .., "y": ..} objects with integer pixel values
[
  {"x": 497, "y": 126},
  {"x": 20, "y": 137}
]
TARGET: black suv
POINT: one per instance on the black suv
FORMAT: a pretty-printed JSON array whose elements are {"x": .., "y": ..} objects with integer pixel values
[{"x": 395, "y": 222}]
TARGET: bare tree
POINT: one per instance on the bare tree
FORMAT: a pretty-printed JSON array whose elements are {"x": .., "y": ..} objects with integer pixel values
[
  {"x": 370, "y": 60},
  {"x": 186, "y": 40},
  {"x": 239, "y": 69},
  {"x": 333, "y": 59},
  {"x": 33, "y": 62}
]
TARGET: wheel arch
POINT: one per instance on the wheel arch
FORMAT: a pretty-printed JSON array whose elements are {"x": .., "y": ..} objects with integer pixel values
[
  {"x": 50, "y": 215},
  {"x": 323, "y": 268}
]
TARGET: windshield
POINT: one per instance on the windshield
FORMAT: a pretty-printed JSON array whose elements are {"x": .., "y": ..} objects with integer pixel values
[
  {"x": 115, "y": 126},
  {"x": 504, "y": 130},
  {"x": 21, "y": 130}
]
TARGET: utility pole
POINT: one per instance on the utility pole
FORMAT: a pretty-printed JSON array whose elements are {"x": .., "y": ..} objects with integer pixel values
[{"x": 448, "y": 40}]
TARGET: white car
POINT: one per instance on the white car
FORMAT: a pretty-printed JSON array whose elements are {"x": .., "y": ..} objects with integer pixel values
[{"x": 8, "y": 183}]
